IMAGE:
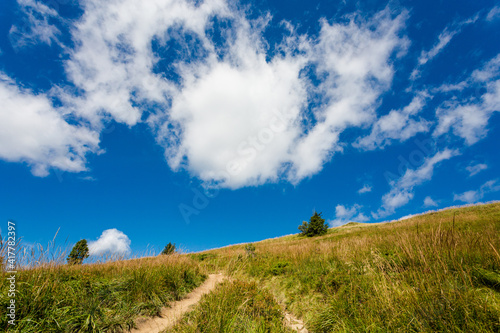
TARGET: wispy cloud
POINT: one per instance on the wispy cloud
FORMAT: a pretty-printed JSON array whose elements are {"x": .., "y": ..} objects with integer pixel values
[
  {"x": 397, "y": 125},
  {"x": 111, "y": 242},
  {"x": 444, "y": 39},
  {"x": 365, "y": 189},
  {"x": 345, "y": 214},
  {"x": 34, "y": 26},
  {"x": 402, "y": 190},
  {"x": 428, "y": 202},
  {"x": 476, "y": 195},
  {"x": 493, "y": 14},
  {"x": 474, "y": 169},
  {"x": 88, "y": 178},
  {"x": 468, "y": 116}
]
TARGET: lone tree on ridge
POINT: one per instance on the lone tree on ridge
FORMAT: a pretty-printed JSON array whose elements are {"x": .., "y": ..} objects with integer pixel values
[
  {"x": 79, "y": 252},
  {"x": 315, "y": 227},
  {"x": 169, "y": 249}
]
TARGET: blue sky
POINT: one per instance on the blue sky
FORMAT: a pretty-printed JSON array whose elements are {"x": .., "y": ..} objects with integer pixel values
[{"x": 206, "y": 123}]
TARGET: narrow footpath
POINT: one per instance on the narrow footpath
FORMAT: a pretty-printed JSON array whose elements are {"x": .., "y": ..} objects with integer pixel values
[{"x": 170, "y": 316}]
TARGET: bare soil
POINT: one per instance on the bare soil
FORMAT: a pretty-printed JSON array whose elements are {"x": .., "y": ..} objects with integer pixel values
[{"x": 294, "y": 323}]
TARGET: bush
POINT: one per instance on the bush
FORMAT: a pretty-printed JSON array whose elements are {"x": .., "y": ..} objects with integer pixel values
[
  {"x": 250, "y": 250},
  {"x": 315, "y": 227},
  {"x": 79, "y": 252},
  {"x": 169, "y": 249}
]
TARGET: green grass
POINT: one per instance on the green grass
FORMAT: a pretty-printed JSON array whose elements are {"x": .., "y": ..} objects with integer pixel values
[
  {"x": 430, "y": 273},
  {"x": 99, "y": 297},
  {"x": 235, "y": 307},
  {"x": 438, "y": 272}
]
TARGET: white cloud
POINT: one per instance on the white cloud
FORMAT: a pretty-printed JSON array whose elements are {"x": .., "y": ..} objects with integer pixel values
[
  {"x": 237, "y": 116},
  {"x": 487, "y": 74},
  {"x": 469, "y": 196},
  {"x": 344, "y": 215},
  {"x": 474, "y": 196},
  {"x": 489, "y": 71},
  {"x": 365, "y": 189},
  {"x": 428, "y": 202},
  {"x": 221, "y": 123},
  {"x": 467, "y": 121},
  {"x": 113, "y": 62},
  {"x": 111, "y": 242},
  {"x": 402, "y": 190},
  {"x": 467, "y": 118},
  {"x": 493, "y": 14},
  {"x": 35, "y": 26},
  {"x": 444, "y": 39},
  {"x": 397, "y": 125},
  {"x": 476, "y": 168},
  {"x": 224, "y": 124},
  {"x": 355, "y": 59},
  {"x": 449, "y": 87},
  {"x": 33, "y": 131}
]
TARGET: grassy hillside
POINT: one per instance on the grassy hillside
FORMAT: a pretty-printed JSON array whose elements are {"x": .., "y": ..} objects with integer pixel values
[
  {"x": 435, "y": 272},
  {"x": 99, "y": 297},
  {"x": 235, "y": 306}
]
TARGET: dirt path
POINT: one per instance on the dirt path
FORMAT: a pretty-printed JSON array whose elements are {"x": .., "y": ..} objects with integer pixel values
[
  {"x": 294, "y": 323},
  {"x": 169, "y": 316}
]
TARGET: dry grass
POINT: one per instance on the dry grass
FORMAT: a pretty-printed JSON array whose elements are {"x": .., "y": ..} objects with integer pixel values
[
  {"x": 435, "y": 272},
  {"x": 97, "y": 297},
  {"x": 438, "y": 272}
]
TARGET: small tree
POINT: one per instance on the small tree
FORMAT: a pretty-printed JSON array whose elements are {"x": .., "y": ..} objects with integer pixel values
[
  {"x": 315, "y": 227},
  {"x": 250, "y": 250},
  {"x": 79, "y": 252},
  {"x": 303, "y": 227},
  {"x": 169, "y": 249}
]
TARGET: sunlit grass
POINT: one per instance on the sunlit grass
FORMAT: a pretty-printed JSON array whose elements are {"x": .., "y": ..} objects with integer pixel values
[
  {"x": 438, "y": 272},
  {"x": 435, "y": 272},
  {"x": 235, "y": 307},
  {"x": 97, "y": 297}
]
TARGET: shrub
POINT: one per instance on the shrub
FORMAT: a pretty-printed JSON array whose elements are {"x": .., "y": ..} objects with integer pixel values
[
  {"x": 169, "y": 249},
  {"x": 315, "y": 227},
  {"x": 250, "y": 250},
  {"x": 79, "y": 252}
]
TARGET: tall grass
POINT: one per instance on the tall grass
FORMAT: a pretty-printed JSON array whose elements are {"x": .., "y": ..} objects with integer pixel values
[
  {"x": 435, "y": 272},
  {"x": 97, "y": 297},
  {"x": 438, "y": 272},
  {"x": 235, "y": 307}
]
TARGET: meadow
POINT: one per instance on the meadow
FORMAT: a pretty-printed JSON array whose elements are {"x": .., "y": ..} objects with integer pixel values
[
  {"x": 97, "y": 297},
  {"x": 438, "y": 272}
]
